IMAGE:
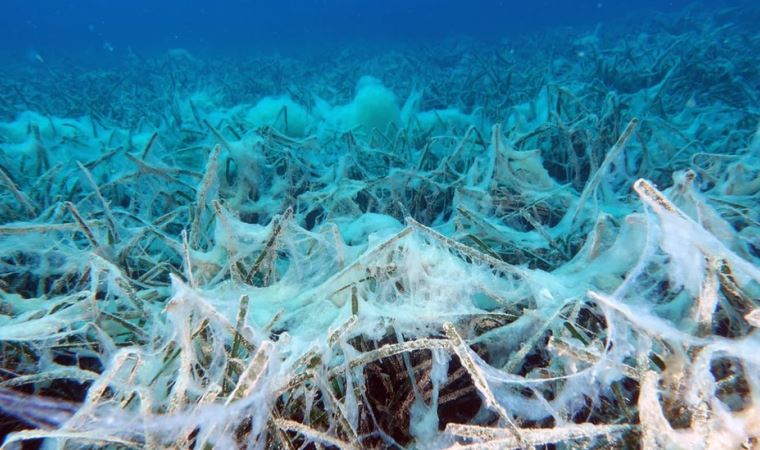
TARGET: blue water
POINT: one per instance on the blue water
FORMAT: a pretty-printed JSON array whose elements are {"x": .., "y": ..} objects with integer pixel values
[{"x": 104, "y": 27}]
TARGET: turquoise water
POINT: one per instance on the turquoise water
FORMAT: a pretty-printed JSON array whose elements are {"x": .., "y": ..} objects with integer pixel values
[
  {"x": 379, "y": 225},
  {"x": 73, "y": 26}
]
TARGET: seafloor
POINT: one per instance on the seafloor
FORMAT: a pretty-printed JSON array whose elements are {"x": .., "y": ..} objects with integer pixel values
[{"x": 551, "y": 241}]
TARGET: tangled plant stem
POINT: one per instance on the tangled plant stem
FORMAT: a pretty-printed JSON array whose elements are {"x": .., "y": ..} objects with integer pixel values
[{"x": 204, "y": 279}]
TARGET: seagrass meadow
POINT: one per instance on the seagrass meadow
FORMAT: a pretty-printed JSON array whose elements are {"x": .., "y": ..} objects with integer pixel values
[{"x": 548, "y": 241}]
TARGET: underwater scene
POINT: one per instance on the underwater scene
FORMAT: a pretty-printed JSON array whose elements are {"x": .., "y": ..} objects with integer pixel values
[{"x": 336, "y": 224}]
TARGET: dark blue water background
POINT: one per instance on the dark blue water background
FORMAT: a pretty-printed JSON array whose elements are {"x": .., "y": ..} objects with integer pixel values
[{"x": 105, "y": 29}]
